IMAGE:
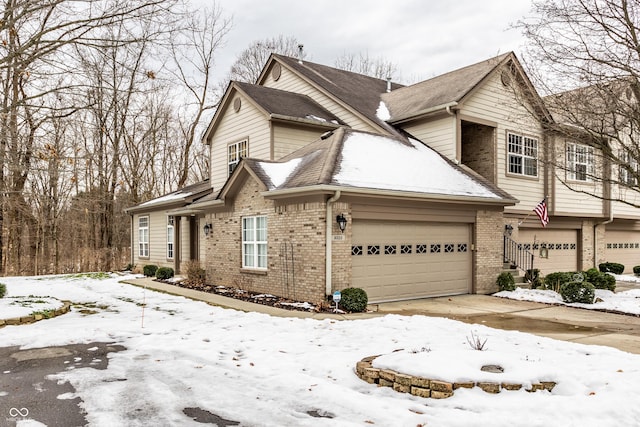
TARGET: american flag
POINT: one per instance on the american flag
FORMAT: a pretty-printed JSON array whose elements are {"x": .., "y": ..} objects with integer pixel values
[{"x": 541, "y": 211}]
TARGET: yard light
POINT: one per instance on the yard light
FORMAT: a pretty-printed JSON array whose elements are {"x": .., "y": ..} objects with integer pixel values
[
  {"x": 207, "y": 229},
  {"x": 342, "y": 222}
]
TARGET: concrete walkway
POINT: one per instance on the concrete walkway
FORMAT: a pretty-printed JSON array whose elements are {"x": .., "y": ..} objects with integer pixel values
[{"x": 558, "y": 322}]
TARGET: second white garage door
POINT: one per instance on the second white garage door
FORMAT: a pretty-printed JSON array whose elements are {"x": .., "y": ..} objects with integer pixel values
[{"x": 409, "y": 260}]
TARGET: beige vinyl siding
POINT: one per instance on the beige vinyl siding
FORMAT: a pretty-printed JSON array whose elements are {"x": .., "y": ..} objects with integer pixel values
[
  {"x": 248, "y": 123},
  {"x": 287, "y": 139},
  {"x": 439, "y": 134},
  {"x": 576, "y": 203},
  {"x": 494, "y": 102},
  {"x": 293, "y": 83},
  {"x": 157, "y": 240},
  {"x": 623, "y": 210}
]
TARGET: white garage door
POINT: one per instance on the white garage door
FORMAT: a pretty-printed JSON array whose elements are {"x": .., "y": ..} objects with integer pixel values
[
  {"x": 408, "y": 260},
  {"x": 623, "y": 247},
  {"x": 561, "y": 245}
]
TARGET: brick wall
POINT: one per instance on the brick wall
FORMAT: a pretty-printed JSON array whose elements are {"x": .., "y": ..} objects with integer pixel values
[
  {"x": 488, "y": 255},
  {"x": 296, "y": 247}
]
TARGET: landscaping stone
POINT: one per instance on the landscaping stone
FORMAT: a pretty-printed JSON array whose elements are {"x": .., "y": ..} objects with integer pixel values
[
  {"x": 440, "y": 394},
  {"x": 388, "y": 375},
  {"x": 489, "y": 387},
  {"x": 401, "y": 388},
  {"x": 508, "y": 386},
  {"x": 441, "y": 386},
  {"x": 467, "y": 384},
  {"x": 420, "y": 392}
]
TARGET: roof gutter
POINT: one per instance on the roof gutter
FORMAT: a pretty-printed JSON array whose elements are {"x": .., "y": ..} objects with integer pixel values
[
  {"x": 407, "y": 195},
  {"x": 328, "y": 249},
  {"x": 427, "y": 111}
]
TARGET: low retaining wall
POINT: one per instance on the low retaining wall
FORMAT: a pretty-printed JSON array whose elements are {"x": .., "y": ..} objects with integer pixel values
[
  {"x": 435, "y": 389},
  {"x": 66, "y": 306}
]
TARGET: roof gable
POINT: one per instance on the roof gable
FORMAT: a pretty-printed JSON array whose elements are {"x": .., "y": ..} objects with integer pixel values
[{"x": 357, "y": 92}]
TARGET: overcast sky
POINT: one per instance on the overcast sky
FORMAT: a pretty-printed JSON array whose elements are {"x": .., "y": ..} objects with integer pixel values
[{"x": 423, "y": 38}]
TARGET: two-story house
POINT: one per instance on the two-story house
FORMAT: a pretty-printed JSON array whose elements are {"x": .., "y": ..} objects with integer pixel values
[{"x": 323, "y": 179}]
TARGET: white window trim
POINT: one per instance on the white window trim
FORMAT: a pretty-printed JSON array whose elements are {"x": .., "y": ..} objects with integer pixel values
[
  {"x": 529, "y": 147},
  {"x": 171, "y": 237},
  {"x": 573, "y": 161},
  {"x": 143, "y": 237},
  {"x": 235, "y": 152},
  {"x": 254, "y": 248}
]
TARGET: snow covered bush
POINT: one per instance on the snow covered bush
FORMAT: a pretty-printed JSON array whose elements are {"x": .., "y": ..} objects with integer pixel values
[
  {"x": 600, "y": 280},
  {"x": 554, "y": 281},
  {"x": 506, "y": 282},
  {"x": 164, "y": 273},
  {"x": 149, "y": 270},
  {"x": 3, "y": 290},
  {"x": 582, "y": 292},
  {"x": 354, "y": 300},
  {"x": 636, "y": 270}
]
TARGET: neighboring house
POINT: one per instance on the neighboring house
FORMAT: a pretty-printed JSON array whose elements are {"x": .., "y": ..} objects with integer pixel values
[{"x": 430, "y": 183}]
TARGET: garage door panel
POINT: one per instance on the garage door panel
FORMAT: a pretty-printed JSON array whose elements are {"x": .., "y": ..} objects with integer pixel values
[
  {"x": 412, "y": 260},
  {"x": 623, "y": 247},
  {"x": 561, "y": 246}
]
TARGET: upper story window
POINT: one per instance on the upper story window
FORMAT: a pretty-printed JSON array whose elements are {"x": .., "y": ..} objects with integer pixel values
[
  {"x": 170, "y": 236},
  {"x": 580, "y": 162},
  {"x": 254, "y": 242},
  {"x": 143, "y": 236},
  {"x": 236, "y": 151},
  {"x": 522, "y": 155},
  {"x": 628, "y": 169}
]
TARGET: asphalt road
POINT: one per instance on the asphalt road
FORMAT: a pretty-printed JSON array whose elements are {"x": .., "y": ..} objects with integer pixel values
[{"x": 27, "y": 393}]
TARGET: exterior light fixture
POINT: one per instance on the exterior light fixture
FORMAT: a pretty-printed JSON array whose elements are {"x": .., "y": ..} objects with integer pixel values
[
  {"x": 508, "y": 229},
  {"x": 342, "y": 222},
  {"x": 207, "y": 229}
]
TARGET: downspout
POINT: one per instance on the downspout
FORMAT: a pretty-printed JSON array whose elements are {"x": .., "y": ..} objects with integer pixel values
[
  {"x": 328, "y": 235},
  {"x": 595, "y": 235}
]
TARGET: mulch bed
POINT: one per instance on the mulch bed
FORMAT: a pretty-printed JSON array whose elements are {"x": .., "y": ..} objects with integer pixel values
[{"x": 255, "y": 297}]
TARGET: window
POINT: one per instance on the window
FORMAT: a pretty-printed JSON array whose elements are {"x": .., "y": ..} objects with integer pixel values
[
  {"x": 254, "y": 242},
  {"x": 628, "y": 169},
  {"x": 170, "y": 237},
  {"x": 236, "y": 152},
  {"x": 143, "y": 236},
  {"x": 579, "y": 162},
  {"x": 523, "y": 155}
]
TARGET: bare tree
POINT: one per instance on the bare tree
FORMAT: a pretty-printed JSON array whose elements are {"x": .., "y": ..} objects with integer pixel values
[
  {"x": 249, "y": 63},
  {"x": 362, "y": 63},
  {"x": 585, "y": 56},
  {"x": 193, "y": 50}
]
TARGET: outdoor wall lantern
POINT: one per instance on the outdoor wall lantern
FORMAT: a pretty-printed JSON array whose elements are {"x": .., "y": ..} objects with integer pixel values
[
  {"x": 508, "y": 229},
  {"x": 342, "y": 222},
  {"x": 207, "y": 229}
]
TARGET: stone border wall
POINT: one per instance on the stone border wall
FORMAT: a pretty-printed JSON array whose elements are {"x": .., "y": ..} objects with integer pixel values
[
  {"x": 435, "y": 389},
  {"x": 66, "y": 306}
]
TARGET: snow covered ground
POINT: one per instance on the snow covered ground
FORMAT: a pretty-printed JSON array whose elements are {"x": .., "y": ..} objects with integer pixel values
[
  {"x": 269, "y": 371},
  {"x": 621, "y": 301}
]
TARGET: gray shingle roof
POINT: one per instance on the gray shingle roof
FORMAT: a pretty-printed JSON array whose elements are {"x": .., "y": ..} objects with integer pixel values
[
  {"x": 275, "y": 101},
  {"x": 440, "y": 90}
]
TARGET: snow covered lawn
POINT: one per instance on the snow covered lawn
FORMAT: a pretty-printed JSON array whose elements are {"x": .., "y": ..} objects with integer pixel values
[
  {"x": 622, "y": 302},
  {"x": 269, "y": 371}
]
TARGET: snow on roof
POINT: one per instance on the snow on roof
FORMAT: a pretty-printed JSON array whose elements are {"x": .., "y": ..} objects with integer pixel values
[
  {"x": 167, "y": 198},
  {"x": 383, "y": 112},
  {"x": 279, "y": 172},
  {"x": 373, "y": 161}
]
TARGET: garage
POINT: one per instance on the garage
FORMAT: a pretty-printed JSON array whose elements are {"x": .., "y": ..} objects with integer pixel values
[
  {"x": 623, "y": 247},
  {"x": 399, "y": 260},
  {"x": 560, "y": 247}
]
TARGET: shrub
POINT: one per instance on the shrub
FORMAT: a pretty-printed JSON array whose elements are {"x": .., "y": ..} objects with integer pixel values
[
  {"x": 3, "y": 290},
  {"x": 600, "y": 280},
  {"x": 582, "y": 292},
  {"x": 636, "y": 270},
  {"x": 164, "y": 273},
  {"x": 506, "y": 282},
  {"x": 611, "y": 267},
  {"x": 196, "y": 276},
  {"x": 555, "y": 280},
  {"x": 354, "y": 300},
  {"x": 533, "y": 276},
  {"x": 149, "y": 270}
]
